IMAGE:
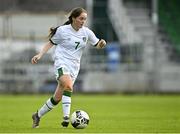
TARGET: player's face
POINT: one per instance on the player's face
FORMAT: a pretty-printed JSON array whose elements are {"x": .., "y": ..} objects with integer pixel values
[{"x": 80, "y": 20}]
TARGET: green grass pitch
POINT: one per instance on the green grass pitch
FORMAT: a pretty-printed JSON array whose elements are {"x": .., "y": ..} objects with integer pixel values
[{"x": 108, "y": 114}]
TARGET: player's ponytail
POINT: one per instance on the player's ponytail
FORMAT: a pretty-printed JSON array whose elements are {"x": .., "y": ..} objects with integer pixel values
[{"x": 69, "y": 21}]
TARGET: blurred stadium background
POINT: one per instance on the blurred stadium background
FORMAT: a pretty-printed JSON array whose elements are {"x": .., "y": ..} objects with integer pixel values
[{"x": 142, "y": 54}]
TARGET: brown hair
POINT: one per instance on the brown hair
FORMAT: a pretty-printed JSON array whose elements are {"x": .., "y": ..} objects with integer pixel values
[{"x": 73, "y": 14}]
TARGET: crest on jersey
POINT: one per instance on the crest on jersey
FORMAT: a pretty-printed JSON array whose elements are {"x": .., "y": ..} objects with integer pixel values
[{"x": 84, "y": 39}]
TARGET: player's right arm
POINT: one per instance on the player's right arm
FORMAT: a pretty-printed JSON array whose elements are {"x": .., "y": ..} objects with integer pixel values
[{"x": 45, "y": 48}]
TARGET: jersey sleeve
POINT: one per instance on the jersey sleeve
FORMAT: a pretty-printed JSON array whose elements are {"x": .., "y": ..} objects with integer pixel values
[
  {"x": 92, "y": 39},
  {"x": 55, "y": 39}
]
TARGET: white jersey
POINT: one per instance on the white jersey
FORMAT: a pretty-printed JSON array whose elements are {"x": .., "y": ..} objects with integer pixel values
[
  {"x": 69, "y": 48},
  {"x": 71, "y": 43}
]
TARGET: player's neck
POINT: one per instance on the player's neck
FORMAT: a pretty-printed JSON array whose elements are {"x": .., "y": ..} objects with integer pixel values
[{"x": 74, "y": 27}]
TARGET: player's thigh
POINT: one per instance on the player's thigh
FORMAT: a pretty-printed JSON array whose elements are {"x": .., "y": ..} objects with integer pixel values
[{"x": 66, "y": 82}]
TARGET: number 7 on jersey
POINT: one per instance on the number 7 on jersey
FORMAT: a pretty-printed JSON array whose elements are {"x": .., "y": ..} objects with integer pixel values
[{"x": 77, "y": 44}]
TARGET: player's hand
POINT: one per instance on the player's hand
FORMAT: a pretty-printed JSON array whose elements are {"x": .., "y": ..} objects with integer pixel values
[
  {"x": 102, "y": 43},
  {"x": 35, "y": 59}
]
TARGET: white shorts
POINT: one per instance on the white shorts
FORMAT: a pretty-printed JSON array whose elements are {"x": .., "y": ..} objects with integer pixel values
[{"x": 66, "y": 66}]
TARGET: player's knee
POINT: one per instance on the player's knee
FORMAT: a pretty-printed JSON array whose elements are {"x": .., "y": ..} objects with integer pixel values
[{"x": 68, "y": 88}]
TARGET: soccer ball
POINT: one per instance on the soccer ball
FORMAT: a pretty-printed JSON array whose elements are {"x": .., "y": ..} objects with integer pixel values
[{"x": 79, "y": 119}]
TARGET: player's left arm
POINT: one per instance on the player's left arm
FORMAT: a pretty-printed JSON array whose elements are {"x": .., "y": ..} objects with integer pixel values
[
  {"x": 94, "y": 40},
  {"x": 101, "y": 44}
]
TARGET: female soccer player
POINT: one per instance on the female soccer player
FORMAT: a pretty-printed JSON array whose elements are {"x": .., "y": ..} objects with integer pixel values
[{"x": 70, "y": 41}]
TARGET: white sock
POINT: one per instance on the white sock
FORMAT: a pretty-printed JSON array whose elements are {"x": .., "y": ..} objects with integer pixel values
[
  {"x": 48, "y": 106},
  {"x": 66, "y": 105}
]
